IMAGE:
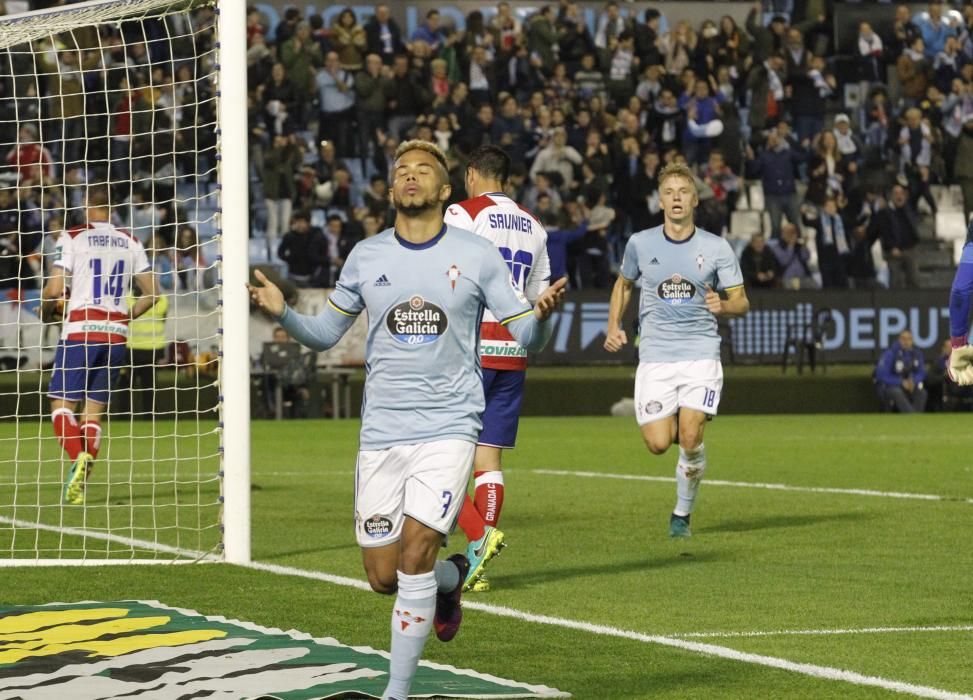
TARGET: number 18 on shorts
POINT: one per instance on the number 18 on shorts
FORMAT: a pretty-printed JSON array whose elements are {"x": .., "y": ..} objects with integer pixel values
[{"x": 661, "y": 388}]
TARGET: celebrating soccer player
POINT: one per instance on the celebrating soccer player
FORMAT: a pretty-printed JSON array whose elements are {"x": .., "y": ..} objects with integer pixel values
[
  {"x": 102, "y": 261},
  {"x": 522, "y": 242},
  {"x": 679, "y": 378},
  {"x": 961, "y": 358},
  {"x": 424, "y": 285}
]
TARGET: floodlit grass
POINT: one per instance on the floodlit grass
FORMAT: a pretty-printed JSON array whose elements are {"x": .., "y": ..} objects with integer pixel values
[{"x": 594, "y": 549}]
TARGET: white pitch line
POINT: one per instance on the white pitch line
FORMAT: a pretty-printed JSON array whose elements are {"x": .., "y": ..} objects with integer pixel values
[
  {"x": 825, "y": 632},
  {"x": 758, "y": 485},
  {"x": 813, "y": 670}
]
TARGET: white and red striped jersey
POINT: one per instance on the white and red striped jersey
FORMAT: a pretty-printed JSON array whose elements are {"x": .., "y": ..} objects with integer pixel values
[
  {"x": 101, "y": 260},
  {"x": 522, "y": 242}
]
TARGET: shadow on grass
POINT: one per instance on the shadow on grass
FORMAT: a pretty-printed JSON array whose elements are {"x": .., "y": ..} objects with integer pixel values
[
  {"x": 780, "y": 521},
  {"x": 533, "y": 578}
]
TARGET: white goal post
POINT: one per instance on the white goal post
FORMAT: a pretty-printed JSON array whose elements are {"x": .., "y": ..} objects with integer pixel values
[{"x": 145, "y": 100}]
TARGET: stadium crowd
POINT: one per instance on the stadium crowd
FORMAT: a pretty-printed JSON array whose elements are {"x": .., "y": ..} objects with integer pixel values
[{"x": 591, "y": 113}]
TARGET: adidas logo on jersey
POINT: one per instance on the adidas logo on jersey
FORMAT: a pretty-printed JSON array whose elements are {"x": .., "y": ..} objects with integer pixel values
[
  {"x": 383, "y": 281},
  {"x": 654, "y": 261}
]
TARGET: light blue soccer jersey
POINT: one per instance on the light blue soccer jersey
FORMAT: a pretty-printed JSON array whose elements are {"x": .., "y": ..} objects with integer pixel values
[
  {"x": 674, "y": 322},
  {"x": 424, "y": 305}
]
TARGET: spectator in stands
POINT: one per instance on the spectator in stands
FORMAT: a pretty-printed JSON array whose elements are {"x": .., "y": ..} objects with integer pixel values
[
  {"x": 936, "y": 27},
  {"x": 430, "y": 32},
  {"x": 861, "y": 262},
  {"x": 767, "y": 40},
  {"x": 383, "y": 36},
  {"x": 595, "y": 265},
  {"x": 482, "y": 79},
  {"x": 288, "y": 25},
  {"x": 163, "y": 261},
  {"x": 832, "y": 240},
  {"x": 336, "y": 96},
  {"x": 871, "y": 64},
  {"x": 305, "y": 250},
  {"x": 349, "y": 40},
  {"x": 963, "y": 165},
  {"x": 678, "y": 48},
  {"x": 562, "y": 231},
  {"x": 408, "y": 99},
  {"x": 759, "y": 264},
  {"x": 775, "y": 167},
  {"x": 916, "y": 147},
  {"x": 376, "y": 199},
  {"x": 282, "y": 101},
  {"x": 765, "y": 82},
  {"x": 947, "y": 64},
  {"x": 900, "y": 376},
  {"x": 542, "y": 38},
  {"x": 281, "y": 161},
  {"x": 828, "y": 169},
  {"x": 507, "y": 26},
  {"x": 301, "y": 56},
  {"x": 192, "y": 266},
  {"x": 897, "y": 227},
  {"x": 646, "y": 212},
  {"x": 30, "y": 152},
  {"x": 557, "y": 157},
  {"x": 913, "y": 70},
  {"x": 725, "y": 185},
  {"x": 372, "y": 88},
  {"x": 294, "y": 380},
  {"x": 793, "y": 259}
]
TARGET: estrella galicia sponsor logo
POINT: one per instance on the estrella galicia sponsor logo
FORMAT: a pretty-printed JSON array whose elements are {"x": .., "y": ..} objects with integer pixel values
[
  {"x": 377, "y": 526},
  {"x": 676, "y": 290},
  {"x": 416, "y": 322}
]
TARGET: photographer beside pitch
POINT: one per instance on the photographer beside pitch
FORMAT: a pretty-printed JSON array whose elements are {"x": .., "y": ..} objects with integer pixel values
[
  {"x": 424, "y": 285},
  {"x": 679, "y": 378}
]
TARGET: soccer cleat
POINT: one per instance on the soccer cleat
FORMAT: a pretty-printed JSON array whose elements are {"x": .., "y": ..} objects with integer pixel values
[
  {"x": 480, "y": 552},
  {"x": 679, "y": 526},
  {"x": 73, "y": 491},
  {"x": 449, "y": 611},
  {"x": 482, "y": 585}
]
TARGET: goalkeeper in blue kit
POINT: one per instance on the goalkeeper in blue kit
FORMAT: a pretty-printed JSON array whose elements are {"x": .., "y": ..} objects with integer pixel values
[
  {"x": 424, "y": 286},
  {"x": 960, "y": 368}
]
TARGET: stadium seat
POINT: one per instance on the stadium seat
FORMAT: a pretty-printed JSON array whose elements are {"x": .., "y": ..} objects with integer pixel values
[
  {"x": 950, "y": 225},
  {"x": 755, "y": 195},
  {"x": 743, "y": 224}
]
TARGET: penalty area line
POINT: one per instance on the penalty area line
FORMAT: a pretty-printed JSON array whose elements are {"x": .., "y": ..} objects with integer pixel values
[{"x": 757, "y": 485}]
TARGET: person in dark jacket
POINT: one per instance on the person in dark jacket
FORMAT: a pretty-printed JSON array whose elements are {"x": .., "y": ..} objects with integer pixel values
[
  {"x": 759, "y": 264},
  {"x": 900, "y": 376},
  {"x": 305, "y": 250},
  {"x": 775, "y": 168},
  {"x": 897, "y": 227},
  {"x": 383, "y": 36}
]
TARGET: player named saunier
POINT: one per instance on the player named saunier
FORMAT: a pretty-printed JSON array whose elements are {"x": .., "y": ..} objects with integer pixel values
[
  {"x": 679, "y": 378},
  {"x": 522, "y": 241},
  {"x": 421, "y": 418},
  {"x": 102, "y": 262}
]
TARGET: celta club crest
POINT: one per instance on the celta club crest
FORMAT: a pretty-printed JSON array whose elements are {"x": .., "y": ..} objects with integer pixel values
[
  {"x": 453, "y": 274},
  {"x": 699, "y": 262}
]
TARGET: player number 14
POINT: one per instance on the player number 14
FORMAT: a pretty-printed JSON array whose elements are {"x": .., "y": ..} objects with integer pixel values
[{"x": 106, "y": 286}]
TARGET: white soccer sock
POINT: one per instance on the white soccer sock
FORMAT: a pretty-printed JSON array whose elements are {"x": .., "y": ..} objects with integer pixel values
[
  {"x": 412, "y": 615},
  {"x": 689, "y": 472}
]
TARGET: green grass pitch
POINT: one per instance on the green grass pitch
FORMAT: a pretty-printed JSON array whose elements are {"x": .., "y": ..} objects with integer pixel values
[{"x": 589, "y": 549}]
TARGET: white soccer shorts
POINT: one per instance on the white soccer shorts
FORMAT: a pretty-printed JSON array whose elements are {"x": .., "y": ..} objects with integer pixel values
[
  {"x": 426, "y": 481},
  {"x": 661, "y": 388}
]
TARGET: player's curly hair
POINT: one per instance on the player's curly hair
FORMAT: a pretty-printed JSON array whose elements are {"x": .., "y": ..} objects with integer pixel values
[
  {"x": 677, "y": 170},
  {"x": 430, "y": 148}
]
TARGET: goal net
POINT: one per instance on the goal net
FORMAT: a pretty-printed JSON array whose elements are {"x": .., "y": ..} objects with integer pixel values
[{"x": 123, "y": 95}]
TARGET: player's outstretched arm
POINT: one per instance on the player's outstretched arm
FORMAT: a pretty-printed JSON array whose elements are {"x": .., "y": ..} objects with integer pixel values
[
  {"x": 615, "y": 337},
  {"x": 316, "y": 332}
]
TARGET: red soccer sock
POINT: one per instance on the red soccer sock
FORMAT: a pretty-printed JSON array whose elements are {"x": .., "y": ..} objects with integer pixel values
[
  {"x": 488, "y": 495},
  {"x": 67, "y": 431},
  {"x": 91, "y": 432},
  {"x": 470, "y": 520}
]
